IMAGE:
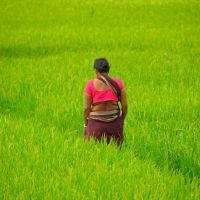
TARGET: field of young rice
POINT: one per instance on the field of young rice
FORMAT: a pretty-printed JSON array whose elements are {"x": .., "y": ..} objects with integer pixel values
[{"x": 47, "y": 50}]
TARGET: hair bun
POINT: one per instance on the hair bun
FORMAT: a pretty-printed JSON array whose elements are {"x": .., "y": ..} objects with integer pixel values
[{"x": 101, "y": 65}]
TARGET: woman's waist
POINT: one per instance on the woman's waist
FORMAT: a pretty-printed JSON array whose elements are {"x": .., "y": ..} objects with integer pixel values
[
  {"x": 104, "y": 116},
  {"x": 105, "y": 112}
]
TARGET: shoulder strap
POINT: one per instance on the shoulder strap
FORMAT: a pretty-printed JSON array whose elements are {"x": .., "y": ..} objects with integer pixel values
[{"x": 115, "y": 90}]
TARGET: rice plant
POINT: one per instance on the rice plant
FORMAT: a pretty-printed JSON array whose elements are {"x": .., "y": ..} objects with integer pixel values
[{"x": 47, "y": 50}]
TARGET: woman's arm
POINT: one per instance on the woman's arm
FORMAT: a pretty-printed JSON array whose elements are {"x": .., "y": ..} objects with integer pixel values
[
  {"x": 124, "y": 103},
  {"x": 87, "y": 107}
]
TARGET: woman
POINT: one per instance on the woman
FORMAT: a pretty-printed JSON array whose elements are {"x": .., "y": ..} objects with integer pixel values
[{"x": 102, "y": 114}]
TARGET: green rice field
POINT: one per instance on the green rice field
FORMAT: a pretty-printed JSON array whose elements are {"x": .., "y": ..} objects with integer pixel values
[{"x": 47, "y": 49}]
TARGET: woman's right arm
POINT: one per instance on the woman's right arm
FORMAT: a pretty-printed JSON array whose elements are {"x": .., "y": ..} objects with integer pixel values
[
  {"x": 87, "y": 107},
  {"x": 87, "y": 101},
  {"x": 124, "y": 103}
]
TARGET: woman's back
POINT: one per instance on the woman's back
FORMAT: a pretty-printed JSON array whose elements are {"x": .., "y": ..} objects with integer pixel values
[
  {"x": 101, "y": 93},
  {"x": 107, "y": 105}
]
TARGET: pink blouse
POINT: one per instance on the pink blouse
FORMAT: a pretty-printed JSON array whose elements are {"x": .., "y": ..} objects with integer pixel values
[{"x": 104, "y": 95}]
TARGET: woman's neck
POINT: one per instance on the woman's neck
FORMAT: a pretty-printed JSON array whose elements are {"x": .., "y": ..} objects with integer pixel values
[{"x": 99, "y": 74}]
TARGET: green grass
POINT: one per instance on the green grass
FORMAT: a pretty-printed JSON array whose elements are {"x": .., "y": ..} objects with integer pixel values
[{"x": 47, "y": 50}]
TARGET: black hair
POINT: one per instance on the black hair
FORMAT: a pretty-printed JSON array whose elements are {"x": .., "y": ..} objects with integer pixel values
[{"x": 101, "y": 65}]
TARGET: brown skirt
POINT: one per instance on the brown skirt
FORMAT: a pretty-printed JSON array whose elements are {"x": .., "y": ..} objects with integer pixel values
[{"x": 99, "y": 130}]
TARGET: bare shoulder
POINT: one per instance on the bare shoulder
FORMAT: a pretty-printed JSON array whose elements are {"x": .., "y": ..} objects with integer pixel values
[{"x": 89, "y": 82}]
